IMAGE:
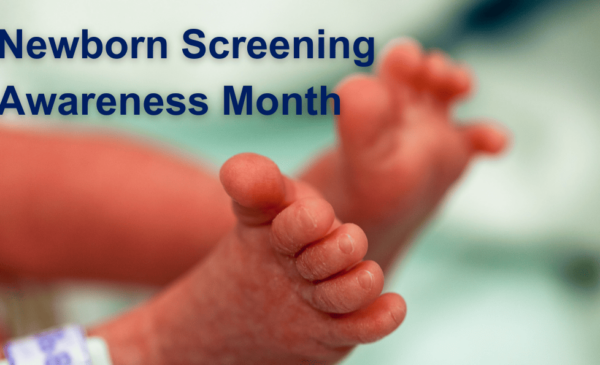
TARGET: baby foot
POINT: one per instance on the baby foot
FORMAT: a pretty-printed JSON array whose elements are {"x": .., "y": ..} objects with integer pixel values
[
  {"x": 400, "y": 148},
  {"x": 288, "y": 284}
]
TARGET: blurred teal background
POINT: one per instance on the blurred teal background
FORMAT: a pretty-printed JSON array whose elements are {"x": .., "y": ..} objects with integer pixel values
[{"x": 508, "y": 272}]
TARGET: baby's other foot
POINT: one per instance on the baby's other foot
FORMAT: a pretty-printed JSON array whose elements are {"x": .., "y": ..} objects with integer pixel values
[
  {"x": 288, "y": 284},
  {"x": 400, "y": 147}
]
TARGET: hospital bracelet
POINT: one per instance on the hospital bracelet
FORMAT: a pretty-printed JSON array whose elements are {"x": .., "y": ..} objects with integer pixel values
[{"x": 63, "y": 346}]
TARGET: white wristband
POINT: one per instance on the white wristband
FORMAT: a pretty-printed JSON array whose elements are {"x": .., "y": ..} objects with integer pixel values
[
  {"x": 98, "y": 351},
  {"x": 64, "y": 346}
]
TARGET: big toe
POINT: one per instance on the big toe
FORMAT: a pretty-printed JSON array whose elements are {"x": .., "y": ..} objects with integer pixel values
[
  {"x": 366, "y": 108},
  {"x": 256, "y": 186}
]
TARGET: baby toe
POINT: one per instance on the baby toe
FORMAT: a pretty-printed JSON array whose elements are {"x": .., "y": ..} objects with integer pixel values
[
  {"x": 460, "y": 83},
  {"x": 304, "y": 221},
  {"x": 347, "y": 292},
  {"x": 341, "y": 249},
  {"x": 437, "y": 73},
  {"x": 485, "y": 137},
  {"x": 369, "y": 324},
  {"x": 366, "y": 109},
  {"x": 256, "y": 186},
  {"x": 402, "y": 62}
]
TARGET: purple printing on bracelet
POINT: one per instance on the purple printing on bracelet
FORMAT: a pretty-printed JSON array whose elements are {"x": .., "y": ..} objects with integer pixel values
[{"x": 64, "y": 346}]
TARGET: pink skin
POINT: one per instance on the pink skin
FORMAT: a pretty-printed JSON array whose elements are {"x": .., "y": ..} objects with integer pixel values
[
  {"x": 397, "y": 134},
  {"x": 121, "y": 208},
  {"x": 129, "y": 213},
  {"x": 288, "y": 284},
  {"x": 103, "y": 207}
]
